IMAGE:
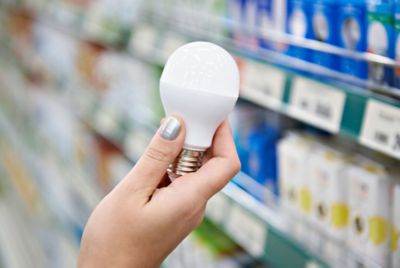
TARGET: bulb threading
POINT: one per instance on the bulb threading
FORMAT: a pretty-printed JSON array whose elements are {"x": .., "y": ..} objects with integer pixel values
[{"x": 188, "y": 161}]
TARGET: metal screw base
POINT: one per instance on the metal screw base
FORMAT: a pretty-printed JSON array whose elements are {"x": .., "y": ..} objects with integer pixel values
[{"x": 188, "y": 161}]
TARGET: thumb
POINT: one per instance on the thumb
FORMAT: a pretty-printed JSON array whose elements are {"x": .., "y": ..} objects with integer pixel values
[{"x": 162, "y": 150}]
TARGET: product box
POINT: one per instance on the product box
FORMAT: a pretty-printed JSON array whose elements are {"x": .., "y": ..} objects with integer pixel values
[
  {"x": 330, "y": 208},
  {"x": 243, "y": 13},
  {"x": 324, "y": 25},
  {"x": 328, "y": 187},
  {"x": 353, "y": 35},
  {"x": 262, "y": 156},
  {"x": 271, "y": 15},
  {"x": 369, "y": 199},
  {"x": 293, "y": 158},
  {"x": 395, "y": 243},
  {"x": 299, "y": 25},
  {"x": 380, "y": 39}
]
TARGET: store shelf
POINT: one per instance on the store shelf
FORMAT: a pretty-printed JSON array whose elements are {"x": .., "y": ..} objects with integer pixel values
[{"x": 335, "y": 107}]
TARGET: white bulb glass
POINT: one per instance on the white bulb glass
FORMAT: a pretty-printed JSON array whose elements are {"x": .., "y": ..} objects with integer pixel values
[{"x": 200, "y": 83}]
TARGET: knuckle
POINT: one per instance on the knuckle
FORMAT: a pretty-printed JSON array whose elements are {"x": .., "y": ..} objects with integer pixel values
[{"x": 157, "y": 154}]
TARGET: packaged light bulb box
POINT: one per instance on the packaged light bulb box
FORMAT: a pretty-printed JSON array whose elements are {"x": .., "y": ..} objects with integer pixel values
[
  {"x": 271, "y": 17},
  {"x": 330, "y": 208},
  {"x": 369, "y": 200},
  {"x": 244, "y": 13},
  {"x": 299, "y": 24},
  {"x": 262, "y": 156},
  {"x": 395, "y": 242},
  {"x": 324, "y": 29},
  {"x": 380, "y": 39},
  {"x": 293, "y": 156},
  {"x": 353, "y": 35},
  {"x": 241, "y": 127}
]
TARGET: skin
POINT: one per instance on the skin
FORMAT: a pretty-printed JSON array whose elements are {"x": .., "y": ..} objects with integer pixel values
[{"x": 144, "y": 218}]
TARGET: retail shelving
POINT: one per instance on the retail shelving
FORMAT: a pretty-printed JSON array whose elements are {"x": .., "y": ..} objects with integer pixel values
[{"x": 340, "y": 104}]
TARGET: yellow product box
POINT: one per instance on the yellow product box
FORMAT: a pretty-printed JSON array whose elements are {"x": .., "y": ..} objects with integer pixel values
[
  {"x": 330, "y": 207},
  {"x": 369, "y": 199}
]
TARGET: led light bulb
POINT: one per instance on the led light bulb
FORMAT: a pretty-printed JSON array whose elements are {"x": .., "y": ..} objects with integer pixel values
[{"x": 200, "y": 83}]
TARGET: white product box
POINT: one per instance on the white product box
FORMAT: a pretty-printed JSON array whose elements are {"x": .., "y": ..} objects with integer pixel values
[
  {"x": 369, "y": 199},
  {"x": 395, "y": 243},
  {"x": 293, "y": 154},
  {"x": 329, "y": 191},
  {"x": 330, "y": 208}
]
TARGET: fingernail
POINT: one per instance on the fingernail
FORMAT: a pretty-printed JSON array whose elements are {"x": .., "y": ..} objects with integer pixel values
[{"x": 170, "y": 129}]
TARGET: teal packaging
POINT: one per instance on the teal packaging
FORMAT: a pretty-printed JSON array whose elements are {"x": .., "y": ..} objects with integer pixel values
[
  {"x": 380, "y": 39},
  {"x": 299, "y": 25},
  {"x": 397, "y": 42},
  {"x": 324, "y": 29},
  {"x": 353, "y": 36}
]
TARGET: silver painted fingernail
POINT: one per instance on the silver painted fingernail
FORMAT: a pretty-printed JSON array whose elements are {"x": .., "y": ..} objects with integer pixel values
[{"x": 170, "y": 128}]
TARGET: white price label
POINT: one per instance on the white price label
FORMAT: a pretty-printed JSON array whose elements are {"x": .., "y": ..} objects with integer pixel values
[
  {"x": 247, "y": 230},
  {"x": 143, "y": 40},
  {"x": 381, "y": 128},
  {"x": 317, "y": 103},
  {"x": 218, "y": 208},
  {"x": 263, "y": 84}
]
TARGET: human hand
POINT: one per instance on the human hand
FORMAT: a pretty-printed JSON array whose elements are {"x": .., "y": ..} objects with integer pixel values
[{"x": 141, "y": 220}]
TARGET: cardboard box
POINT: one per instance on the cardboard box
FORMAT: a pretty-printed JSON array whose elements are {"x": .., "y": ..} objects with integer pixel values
[{"x": 369, "y": 199}]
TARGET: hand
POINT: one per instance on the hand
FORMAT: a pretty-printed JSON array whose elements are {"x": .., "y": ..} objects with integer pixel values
[{"x": 139, "y": 222}]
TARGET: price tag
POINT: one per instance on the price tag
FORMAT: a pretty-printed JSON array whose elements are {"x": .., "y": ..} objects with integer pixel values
[
  {"x": 381, "y": 128},
  {"x": 247, "y": 230},
  {"x": 263, "y": 84},
  {"x": 143, "y": 40},
  {"x": 218, "y": 208},
  {"x": 317, "y": 103}
]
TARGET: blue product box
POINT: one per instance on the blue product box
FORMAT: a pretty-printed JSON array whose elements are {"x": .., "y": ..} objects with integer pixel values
[
  {"x": 353, "y": 35},
  {"x": 397, "y": 42},
  {"x": 262, "y": 163},
  {"x": 324, "y": 26},
  {"x": 380, "y": 39},
  {"x": 299, "y": 24},
  {"x": 264, "y": 20}
]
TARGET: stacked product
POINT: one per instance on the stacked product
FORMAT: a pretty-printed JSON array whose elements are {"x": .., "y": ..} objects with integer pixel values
[
  {"x": 342, "y": 198},
  {"x": 358, "y": 26}
]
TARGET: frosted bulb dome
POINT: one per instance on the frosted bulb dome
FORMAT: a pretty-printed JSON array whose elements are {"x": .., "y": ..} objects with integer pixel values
[{"x": 200, "y": 83}]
